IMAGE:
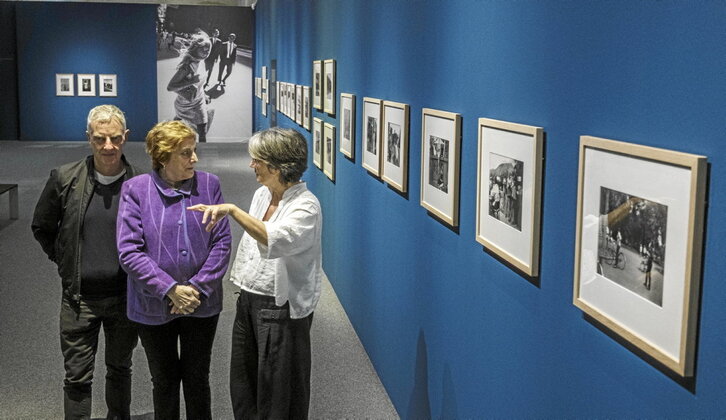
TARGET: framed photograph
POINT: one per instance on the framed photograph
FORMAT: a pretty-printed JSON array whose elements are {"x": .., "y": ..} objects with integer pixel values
[
  {"x": 329, "y": 151},
  {"x": 440, "y": 149},
  {"x": 293, "y": 101},
  {"x": 394, "y": 169},
  {"x": 509, "y": 179},
  {"x": 306, "y": 107},
  {"x": 347, "y": 130},
  {"x": 298, "y": 104},
  {"x": 258, "y": 89},
  {"x": 266, "y": 90},
  {"x": 318, "y": 142},
  {"x": 371, "y": 135},
  {"x": 277, "y": 95},
  {"x": 329, "y": 87},
  {"x": 86, "y": 85},
  {"x": 107, "y": 85},
  {"x": 318, "y": 84},
  {"x": 263, "y": 82},
  {"x": 638, "y": 246},
  {"x": 64, "y": 84}
]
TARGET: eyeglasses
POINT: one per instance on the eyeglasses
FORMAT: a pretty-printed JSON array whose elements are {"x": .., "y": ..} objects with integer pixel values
[{"x": 101, "y": 140}]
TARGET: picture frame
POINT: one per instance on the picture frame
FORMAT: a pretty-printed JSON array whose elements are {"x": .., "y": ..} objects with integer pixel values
[
  {"x": 298, "y": 105},
  {"x": 329, "y": 87},
  {"x": 509, "y": 188},
  {"x": 347, "y": 125},
  {"x": 266, "y": 91},
  {"x": 86, "y": 84},
  {"x": 107, "y": 85},
  {"x": 64, "y": 85},
  {"x": 371, "y": 135},
  {"x": 329, "y": 151},
  {"x": 639, "y": 243},
  {"x": 292, "y": 101},
  {"x": 306, "y": 107},
  {"x": 258, "y": 88},
  {"x": 263, "y": 82},
  {"x": 318, "y": 84},
  {"x": 277, "y": 96},
  {"x": 318, "y": 142},
  {"x": 440, "y": 161},
  {"x": 394, "y": 146}
]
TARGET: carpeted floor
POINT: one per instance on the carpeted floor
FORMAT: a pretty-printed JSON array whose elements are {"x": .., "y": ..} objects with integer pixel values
[{"x": 344, "y": 384}]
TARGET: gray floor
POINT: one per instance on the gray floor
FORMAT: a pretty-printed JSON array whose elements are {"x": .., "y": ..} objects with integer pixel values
[{"x": 344, "y": 384}]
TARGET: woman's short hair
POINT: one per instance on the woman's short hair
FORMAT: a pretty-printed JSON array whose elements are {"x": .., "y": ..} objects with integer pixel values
[
  {"x": 164, "y": 138},
  {"x": 283, "y": 149},
  {"x": 105, "y": 114},
  {"x": 197, "y": 40}
]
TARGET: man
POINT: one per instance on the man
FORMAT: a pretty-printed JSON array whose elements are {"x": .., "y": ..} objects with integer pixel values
[
  {"x": 213, "y": 54},
  {"x": 75, "y": 223},
  {"x": 227, "y": 57}
]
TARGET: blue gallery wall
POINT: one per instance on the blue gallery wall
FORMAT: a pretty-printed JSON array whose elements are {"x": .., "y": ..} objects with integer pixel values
[
  {"x": 453, "y": 332},
  {"x": 84, "y": 38}
]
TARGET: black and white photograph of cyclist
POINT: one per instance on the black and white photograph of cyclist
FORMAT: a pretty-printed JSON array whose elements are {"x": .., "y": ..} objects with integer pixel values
[{"x": 632, "y": 243}]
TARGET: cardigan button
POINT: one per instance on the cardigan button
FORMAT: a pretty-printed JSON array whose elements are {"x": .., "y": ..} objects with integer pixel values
[
  {"x": 184, "y": 252},
  {"x": 179, "y": 222}
]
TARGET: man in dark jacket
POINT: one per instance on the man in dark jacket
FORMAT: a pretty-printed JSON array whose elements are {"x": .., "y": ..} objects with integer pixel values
[
  {"x": 227, "y": 57},
  {"x": 75, "y": 223}
]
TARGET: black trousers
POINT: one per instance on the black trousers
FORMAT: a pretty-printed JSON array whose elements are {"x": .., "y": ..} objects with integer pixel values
[
  {"x": 270, "y": 367},
  {"x": 180, "y": 351},
  {"x": 79, "y": 329},
  {"x": 228, "y": 65}
]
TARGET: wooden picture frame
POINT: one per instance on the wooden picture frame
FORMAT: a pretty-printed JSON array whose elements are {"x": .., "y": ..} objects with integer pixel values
[
  {"x": 318, "y": 84},
  {"x": 318, "y": 142},
  {"x": 371, "y": 135},
  {"x": 86, "y": 84},
  {"x": 509, "y": 188},
  {"x": 394, "y": 145},
  {"x": 306, "y": 107},
  {"x": 440, "y": 161},
  {"x": 64, "y": 85},
  {"x": 107, "y": 85},
  {"x": 329, "y": 150},
  {"x": 638, "y": 247},
  {"x": 347, "y": 125},
  {"x": 298, "y": 105},
  {"x": 329, "y": 87}
]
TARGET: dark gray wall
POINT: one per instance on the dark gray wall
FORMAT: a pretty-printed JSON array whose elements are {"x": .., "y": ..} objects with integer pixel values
[{"x": 8, "y": 73}]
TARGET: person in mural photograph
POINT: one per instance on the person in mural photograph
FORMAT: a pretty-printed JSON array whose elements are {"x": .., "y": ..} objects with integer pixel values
[
  {"x": 74, "y": 222},
  {"x": 394, "y": 144},
  {"x": 227, "y": 58},
  {"x": 191, "y": 104},
  {"x": 213, "y": 55},
  {"x": 175, "y": 268},
  {"x": 631, "y": 247},
  {"x": 279, "y": 270}
]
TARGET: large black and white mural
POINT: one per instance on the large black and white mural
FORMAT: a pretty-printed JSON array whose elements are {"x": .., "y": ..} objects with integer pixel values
[{"x": 204, "y": 69}]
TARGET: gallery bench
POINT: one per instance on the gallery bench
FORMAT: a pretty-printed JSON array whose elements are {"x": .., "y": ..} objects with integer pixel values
[{"x": 12, "y": 190}]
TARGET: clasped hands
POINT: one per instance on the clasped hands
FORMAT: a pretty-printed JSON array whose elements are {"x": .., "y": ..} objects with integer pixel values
[{"x": 184, "y": 299}]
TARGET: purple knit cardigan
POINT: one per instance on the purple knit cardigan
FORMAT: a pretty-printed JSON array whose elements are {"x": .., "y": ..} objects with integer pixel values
[{"x": 162, "y": 244}]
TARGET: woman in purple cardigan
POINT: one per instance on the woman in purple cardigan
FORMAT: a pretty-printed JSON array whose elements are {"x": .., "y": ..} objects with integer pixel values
[{"x": 175, "y": 268}]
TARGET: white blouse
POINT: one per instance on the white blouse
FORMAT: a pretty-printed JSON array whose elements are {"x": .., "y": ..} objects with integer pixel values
[{"x": 290, "y": 267}]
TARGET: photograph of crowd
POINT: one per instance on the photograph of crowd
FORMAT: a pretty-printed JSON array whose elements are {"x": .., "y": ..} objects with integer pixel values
[
  {"x": 372, "y": 135},
  {"x": 505, "y": 190}
]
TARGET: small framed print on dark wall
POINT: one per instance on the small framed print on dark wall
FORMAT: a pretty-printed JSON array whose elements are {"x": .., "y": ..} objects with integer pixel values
[
  {"x": 347, "y": 130},
  {"x": 440, "y": 150},
  {"x": 394, "y": 146}
]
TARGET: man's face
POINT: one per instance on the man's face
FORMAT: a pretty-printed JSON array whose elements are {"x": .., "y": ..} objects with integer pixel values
[
  {"x": 107, "y": 140},
  {"x": 215, "y": 33},
  {"x": 232, "y": 37}
]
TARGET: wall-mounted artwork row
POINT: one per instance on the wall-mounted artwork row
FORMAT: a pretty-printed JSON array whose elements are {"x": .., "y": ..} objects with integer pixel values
[
  {"x": 639, "y": 242},
  {"x": 65, "y": 86}
]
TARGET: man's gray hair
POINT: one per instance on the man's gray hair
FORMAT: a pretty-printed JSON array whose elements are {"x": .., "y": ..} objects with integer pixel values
[
  {"x": 283, "y": 149},
  {"x": 105, "y": 113}
]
